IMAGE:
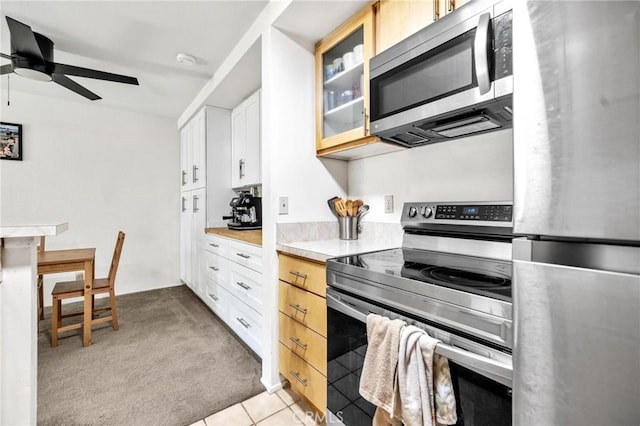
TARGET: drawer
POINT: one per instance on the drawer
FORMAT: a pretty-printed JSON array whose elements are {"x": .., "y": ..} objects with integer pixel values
[
  {"x": 246, "y": 285},
  {"x": 246, "y": 322},
  {"x": 305, "y": 380},
  {"x": 217, "y": 245},
  {"x": 217, "y": 298},
  {"x": 306, "y": 308},
  {"x": 246, "y": 254},
  {"x": 302, "y": 273},
  {"x": 304, "y": 342},
  {"x": 216, "y": 267}
]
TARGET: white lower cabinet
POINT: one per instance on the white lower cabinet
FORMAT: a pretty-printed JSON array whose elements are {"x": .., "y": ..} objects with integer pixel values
[{"x": 233, "y": 276}]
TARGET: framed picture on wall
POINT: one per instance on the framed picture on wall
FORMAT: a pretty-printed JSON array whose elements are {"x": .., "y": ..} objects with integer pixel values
[{"x": 10, "y": 141}]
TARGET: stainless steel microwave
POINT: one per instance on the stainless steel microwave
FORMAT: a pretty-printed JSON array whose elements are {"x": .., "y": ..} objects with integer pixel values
[{"x": 453, "y": 78}]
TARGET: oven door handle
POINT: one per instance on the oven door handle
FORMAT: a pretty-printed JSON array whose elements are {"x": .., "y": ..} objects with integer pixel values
[{"x": 496, "y": 370}]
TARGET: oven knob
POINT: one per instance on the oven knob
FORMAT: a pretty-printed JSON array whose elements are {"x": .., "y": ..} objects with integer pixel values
[
  {"x": 412, "y": 212},
  {"x": 426, "y": 212}
]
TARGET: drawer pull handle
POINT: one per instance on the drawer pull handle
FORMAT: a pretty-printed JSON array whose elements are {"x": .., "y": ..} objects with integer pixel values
[
  {"x": 244, "y": 256},
  {"x": 214, "y": 268},
  {"x": 243, "y": 322},
  {"x": 296, "y": 376},
  {"x": 298, "y": 308},
  {"x": 243, "y": 285},
  {"x": 213, "y": 296},
  {"x": 298, "y": 274},
  {"x": 214, "y": 245},
  {"x": 297, "y": 342}
]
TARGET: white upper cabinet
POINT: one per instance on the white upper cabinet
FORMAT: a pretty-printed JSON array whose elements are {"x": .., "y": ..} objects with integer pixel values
[
  {"x": 193, "y": 153},
  {"x": 245, "y": 141}
]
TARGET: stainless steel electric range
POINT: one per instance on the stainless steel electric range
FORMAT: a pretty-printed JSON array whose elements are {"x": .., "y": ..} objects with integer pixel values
[{"x": 452, "y": 278}]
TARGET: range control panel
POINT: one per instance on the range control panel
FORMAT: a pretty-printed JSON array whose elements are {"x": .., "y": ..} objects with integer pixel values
[
  {"x": 419, "y": 214},
  {"x": 494, "y": 213}
]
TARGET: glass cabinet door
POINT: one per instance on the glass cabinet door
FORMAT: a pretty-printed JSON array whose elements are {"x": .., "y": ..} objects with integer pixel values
[{"x": 343, "y": 85}]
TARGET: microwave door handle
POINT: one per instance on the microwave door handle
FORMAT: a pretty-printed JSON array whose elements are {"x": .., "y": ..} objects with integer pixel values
[{"x": 481, "y": 55}]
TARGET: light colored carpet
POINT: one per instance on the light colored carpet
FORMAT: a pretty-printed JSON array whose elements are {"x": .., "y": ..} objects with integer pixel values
[{"x": 172, "y": 362}]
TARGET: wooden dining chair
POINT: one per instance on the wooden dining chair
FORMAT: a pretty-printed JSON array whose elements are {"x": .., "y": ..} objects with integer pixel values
[{"x": 73, "y": 289}]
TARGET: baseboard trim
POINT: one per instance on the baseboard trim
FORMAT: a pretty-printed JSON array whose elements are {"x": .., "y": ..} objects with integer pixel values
[{"x": 271, "y": 387}]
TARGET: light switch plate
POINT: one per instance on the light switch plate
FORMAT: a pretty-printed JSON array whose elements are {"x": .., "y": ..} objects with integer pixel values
[{"x": 283, "y": 205}]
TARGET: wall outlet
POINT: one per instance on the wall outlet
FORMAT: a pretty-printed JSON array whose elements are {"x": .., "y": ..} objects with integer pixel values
[
  {"x": 388, "y": 203},
  {"x": 283, "y": 205}
]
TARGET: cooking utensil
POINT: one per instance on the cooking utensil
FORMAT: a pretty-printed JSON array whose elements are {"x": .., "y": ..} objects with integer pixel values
[
  {"x": 341, "y": 208},
  {"x": 332, "y": 206},
  {"x": 349, "y": 207}
]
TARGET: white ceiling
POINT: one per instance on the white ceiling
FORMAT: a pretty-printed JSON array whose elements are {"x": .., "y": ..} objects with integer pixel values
[
  {"x": 136, "y": 38},
  {"x": 142, "y": 39}
]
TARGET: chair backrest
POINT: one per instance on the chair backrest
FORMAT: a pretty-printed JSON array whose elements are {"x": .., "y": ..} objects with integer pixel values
[{"x": 116, "y": 259}]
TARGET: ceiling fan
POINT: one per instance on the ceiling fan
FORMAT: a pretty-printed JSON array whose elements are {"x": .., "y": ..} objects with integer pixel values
[{"x": 32, "y": 57}]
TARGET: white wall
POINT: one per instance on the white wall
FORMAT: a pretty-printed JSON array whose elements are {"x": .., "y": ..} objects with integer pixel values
[
  {"x": 478, "y": 168},
  {"x": 102, "y": 170}
]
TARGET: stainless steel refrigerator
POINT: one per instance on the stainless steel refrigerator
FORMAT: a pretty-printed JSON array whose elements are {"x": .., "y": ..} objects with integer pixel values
[{"x": 577, "y": 210}]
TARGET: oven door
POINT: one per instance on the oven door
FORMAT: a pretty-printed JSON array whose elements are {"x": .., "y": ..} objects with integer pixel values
[{"x": 481, "y": 375}]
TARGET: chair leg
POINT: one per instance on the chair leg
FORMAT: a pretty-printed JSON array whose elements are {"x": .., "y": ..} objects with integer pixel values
[
  {"x": 55, "y": 321},
  {"x": 40, "y": 297},
  {"x": 114, "y": 311},
  {"x": 93, "y": 306}
]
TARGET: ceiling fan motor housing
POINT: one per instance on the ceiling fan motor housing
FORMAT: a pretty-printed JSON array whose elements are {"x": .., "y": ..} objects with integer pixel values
[{"x": 32, "y": 67}]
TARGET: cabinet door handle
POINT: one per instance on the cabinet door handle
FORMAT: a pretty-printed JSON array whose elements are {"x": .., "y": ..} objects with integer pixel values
[
  {"x": 213, "y": 296},
  {"x": 214, "y": 245},
  {"x": 184, "y": 178},
  {"x": 195, "y": 204},
  {"x": 297, "y": 342},
  {"x": 243, "y": 322},
  {"x": 436, "y": 10},
  {"x": 242, "y": 255},
  {"x": 195, "y": 173},
  {"x": 243, "y": 285},
  {"x": 184, "y": 204},
  {"x": 214, "y": 268},
  {"x": 298, "y": 308},
  {"x": 241, "y": 169},
  {"x": 298, "y": 274},
  {"x": 296, "y": 376}
]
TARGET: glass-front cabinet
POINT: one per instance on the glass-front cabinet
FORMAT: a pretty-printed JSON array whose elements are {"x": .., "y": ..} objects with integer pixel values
[{"x": 342, "y": 86}]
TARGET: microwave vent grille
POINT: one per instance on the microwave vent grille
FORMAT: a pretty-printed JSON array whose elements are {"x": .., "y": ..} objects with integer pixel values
[{"x": 410, "y": 138}]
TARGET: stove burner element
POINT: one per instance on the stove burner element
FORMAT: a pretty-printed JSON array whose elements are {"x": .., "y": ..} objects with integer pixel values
[{"x": 463, "y": 278}]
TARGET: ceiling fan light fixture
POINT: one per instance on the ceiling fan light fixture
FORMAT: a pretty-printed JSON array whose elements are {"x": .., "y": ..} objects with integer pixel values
[
  {"x": 186, "y": 59},
  {"x": 32, "y": 74}
]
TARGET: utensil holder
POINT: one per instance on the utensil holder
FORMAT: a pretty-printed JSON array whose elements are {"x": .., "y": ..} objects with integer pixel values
[{"x": 348, "y": 228}]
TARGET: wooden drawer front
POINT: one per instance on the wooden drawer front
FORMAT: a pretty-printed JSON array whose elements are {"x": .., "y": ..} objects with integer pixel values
[
  {"x": 216, "y": 267},
  {"x": 246, "y": 254},
  {"x": 302, "y": 273},
  {"x": 305, "y": 380},
  {"x": 304, "y": 342},
  {"x": 246, "y": 285},
  {"x": 306, "y": 308},
  {"x": 217, "y": 245},
  {"x": 246, "y": 322},
  {"x": 217, "y": 298}
]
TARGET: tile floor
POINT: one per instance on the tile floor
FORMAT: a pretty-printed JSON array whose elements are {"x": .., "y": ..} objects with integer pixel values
[{"x": 283, "y": 408}]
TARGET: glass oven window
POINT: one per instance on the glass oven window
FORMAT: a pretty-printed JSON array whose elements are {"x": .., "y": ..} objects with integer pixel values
[{"x": 443, "y": 71}]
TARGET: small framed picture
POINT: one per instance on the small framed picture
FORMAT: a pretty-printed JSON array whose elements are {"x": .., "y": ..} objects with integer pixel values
[{"x": 10, "y": 141}]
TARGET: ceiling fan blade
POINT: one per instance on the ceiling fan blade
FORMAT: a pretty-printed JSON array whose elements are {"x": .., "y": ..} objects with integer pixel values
[
  {"x": 65, "y": 81},
  {"x": 89, "y": 73},
  {"x": 6, "y": 69},
  {"x": 4, "y": 55},
  {"x": 23, "y": 40}
]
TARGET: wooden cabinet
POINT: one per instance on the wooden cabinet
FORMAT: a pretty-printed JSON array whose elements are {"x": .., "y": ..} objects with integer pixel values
[
  {"x": 303, "y": 327},
  {"x": 245, "y": 146},
  {"x": 233, "y": 286},
  {"x": 398, "y": 19}
]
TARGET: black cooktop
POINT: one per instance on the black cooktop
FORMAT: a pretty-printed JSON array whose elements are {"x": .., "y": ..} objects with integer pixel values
[{"x": 484, "y": 277}]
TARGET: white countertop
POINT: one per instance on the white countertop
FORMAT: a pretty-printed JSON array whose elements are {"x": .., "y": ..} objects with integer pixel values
[
  {"x": 19, "y": 231},
  {"x": 321, "y": 250}
]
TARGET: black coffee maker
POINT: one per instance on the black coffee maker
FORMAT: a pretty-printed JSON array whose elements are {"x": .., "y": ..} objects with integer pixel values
[{"x": 246, "y": 212}]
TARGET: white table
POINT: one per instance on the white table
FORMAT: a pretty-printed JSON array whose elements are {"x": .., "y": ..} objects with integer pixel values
[{"x": 18, "y": 321}]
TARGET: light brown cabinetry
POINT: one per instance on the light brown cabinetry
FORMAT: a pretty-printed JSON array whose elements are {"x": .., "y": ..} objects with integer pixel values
[
  {"x": 398, "y": 19},
  {"x": 303, "y": 327}
]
